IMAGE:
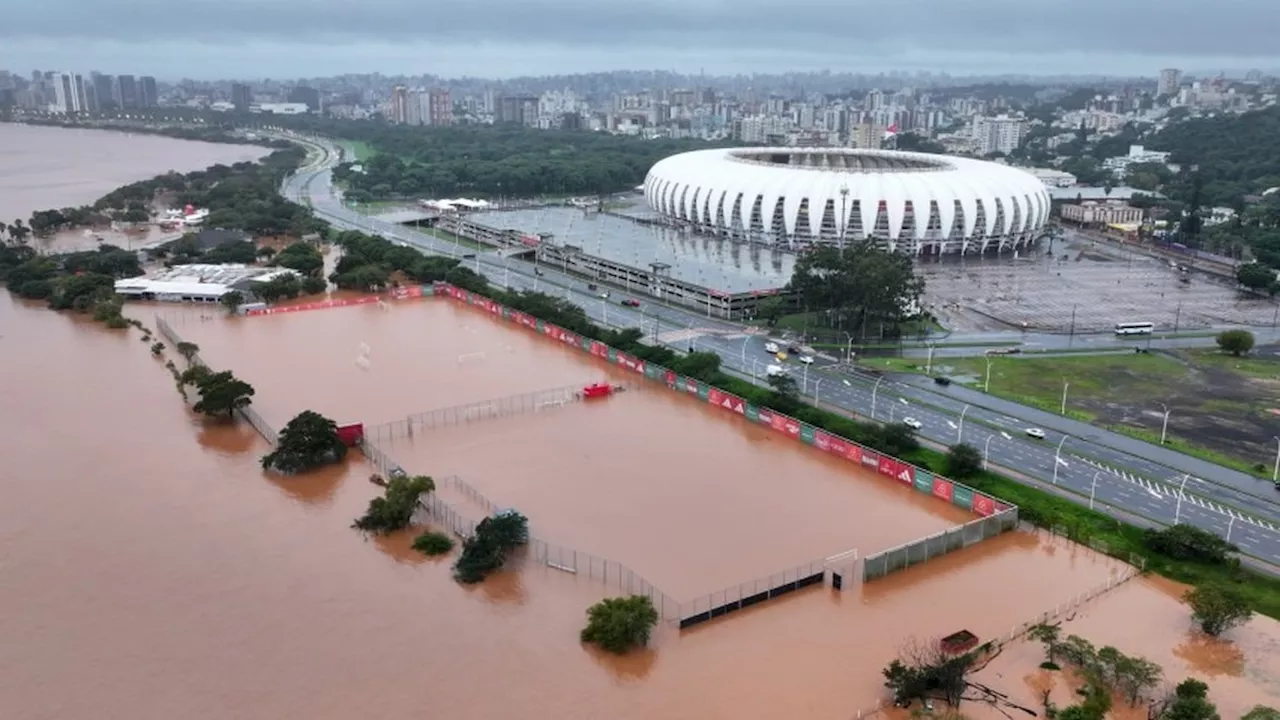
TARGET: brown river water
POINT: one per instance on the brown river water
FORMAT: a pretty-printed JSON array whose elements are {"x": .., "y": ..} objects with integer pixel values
[{"x": 149, "y": 569}]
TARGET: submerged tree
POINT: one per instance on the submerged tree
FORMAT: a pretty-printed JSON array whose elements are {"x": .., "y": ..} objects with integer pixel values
[
  {"x": 1217, "y": 608},
  {"x": 487, "y": 549},
  {"x": 394, "y": 510},
  {"x": 222, "y": 393},
  {"x": 620, "y": 624},
  {"x": 306, "y": 442}
]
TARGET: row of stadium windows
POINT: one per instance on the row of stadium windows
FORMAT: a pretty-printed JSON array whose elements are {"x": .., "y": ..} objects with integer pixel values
[{"x": 712, "y": 216}]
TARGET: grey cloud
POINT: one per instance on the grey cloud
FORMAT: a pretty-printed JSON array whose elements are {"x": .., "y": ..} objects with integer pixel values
[{"x": 856, "y": 28}]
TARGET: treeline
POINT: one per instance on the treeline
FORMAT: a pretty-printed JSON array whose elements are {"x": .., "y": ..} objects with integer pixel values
[
  {"x": 491, "y": 161},
  {"x": 242, "y": 196},
  {"x": 1235, "y": 155}
]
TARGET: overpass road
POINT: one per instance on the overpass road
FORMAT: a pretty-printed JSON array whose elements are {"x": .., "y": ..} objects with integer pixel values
[{"x": 1074, "y": 459}]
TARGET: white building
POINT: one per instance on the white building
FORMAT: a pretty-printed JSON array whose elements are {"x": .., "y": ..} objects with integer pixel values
[
  {"x": 195, "y": 283},
  {"x": 69, "y": 94},
  {"x": 998, "y": 134},
  {"x": 1170, "y": 79},
  {"x": 1053, "y": 178},
  {"x": 282, "y": 108}
]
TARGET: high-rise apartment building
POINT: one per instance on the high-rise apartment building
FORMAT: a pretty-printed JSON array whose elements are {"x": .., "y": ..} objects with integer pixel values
[
  {"x": 400, "y": 104},
  {"x": 148, "y": 94},
  {"x": 1170, "y": 80},
  {"x": 867, "y": 135},
  {"x": 127, "y": 92},
  {"x": 68, "y": 93},
  {"x": 241, "y": 97},
  {"x": 998, "y": 134},
  {"x": 104, "y": 92},
  {"x": 439, "y": 108}
]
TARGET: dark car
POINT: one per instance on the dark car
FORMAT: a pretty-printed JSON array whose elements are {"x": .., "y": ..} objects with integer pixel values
[
  {"x": 943, "y": 381},
  {"x": 629, "y": 302},
  {"x": 793, "y": 350},
  {"x": 469, "y": 256}
]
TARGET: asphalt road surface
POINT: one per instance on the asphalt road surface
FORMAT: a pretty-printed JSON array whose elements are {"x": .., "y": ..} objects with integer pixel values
[{"x": 1100, "y": 468}]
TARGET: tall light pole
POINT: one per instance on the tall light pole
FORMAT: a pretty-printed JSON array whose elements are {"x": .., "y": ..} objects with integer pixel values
[
  {"x": 844, "y": 206},
  {"x": 960, "y": 428},
  {"x": 1057, "y": 459},
  {"x": 745, "y": 340},
  {"x": 928, "y": 366},
  {"x": 1164, "y": 427},
  {"x": 875, "y": 388},
  {"x": 1065, "y": 385},
  {"x": 1093, "y": 487},
  {"x": 1177, "y": 510},
  {"x": 848, "y": 348},
  {"x": 986, "y": 384},
  {"x": 1276, "y": 470},
  {"x": 816, "y": 384}
]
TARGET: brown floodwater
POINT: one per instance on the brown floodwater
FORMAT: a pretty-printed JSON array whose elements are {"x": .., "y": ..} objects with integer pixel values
[
  {"x": 692, "y": 498},
  {"x": 420, "y": 355},
  {"x": 149, "y": 569},
  {"x": 46, "y": 167},
  {"x": 1146, "y": 617}
]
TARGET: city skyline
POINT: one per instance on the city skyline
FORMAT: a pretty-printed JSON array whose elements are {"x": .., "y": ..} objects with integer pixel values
[{"x": 207, "y": 40}]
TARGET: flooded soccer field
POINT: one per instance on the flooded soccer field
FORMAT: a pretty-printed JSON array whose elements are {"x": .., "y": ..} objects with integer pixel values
[
  {"x": 216, "y": 586},
  {"x": 378, "y": 363}
]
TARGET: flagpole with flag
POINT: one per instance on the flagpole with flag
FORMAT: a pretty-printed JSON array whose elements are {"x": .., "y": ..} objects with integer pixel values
[{"x": 890, "y": 133}]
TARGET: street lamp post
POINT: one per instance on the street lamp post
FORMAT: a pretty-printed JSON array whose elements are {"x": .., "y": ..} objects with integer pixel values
[
  {"x": 1164, "y": 427},
  {"x": 960, "y": 427},
  {"x": 928, "y": 366},
  {"x": 876, "y": 388},
  {"x": 1065, "y": 385},
  {"x": 848, "y": 348},
  {"x": 816, "y": 384},
  {"x": 1230, "y": 525},
  {"x": 1276, "y": 470},
  {"x": 986, "y": 384},
  {"x": 1093, "y": 487},
  {"x": 986, "y": 450},
  {"x": 745, "y": 340},
  {"x": 1177, "y": 510},
  {"x": 1057, "y": 458}
]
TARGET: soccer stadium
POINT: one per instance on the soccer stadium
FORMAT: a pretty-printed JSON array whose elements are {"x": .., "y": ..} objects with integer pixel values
[{"x": 910, "y": 202}]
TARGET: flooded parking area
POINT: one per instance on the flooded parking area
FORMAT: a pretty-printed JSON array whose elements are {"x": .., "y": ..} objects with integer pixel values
[
  {"x": 690, "y": 497},
  {"x": 1085, "y": 285}
]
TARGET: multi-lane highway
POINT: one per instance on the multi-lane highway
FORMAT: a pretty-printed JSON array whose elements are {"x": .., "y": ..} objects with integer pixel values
[{"x": 1076, "y": 458}]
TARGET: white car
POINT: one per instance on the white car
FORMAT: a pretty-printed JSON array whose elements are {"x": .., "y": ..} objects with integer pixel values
[
  {"x": 771, "y": 348},
  {"x": 1036, "y": 433},
  {"x": 806, "y": 359},
  {"x": 912, "y": 423},
  {"x": 774, "y": 370}
]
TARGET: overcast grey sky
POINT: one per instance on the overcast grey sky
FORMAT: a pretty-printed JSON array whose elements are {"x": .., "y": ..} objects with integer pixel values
[{"x": 292, "y": 38}]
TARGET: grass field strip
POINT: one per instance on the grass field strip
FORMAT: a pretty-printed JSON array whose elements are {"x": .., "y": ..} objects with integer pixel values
[{"x": 1162, "y": 490}]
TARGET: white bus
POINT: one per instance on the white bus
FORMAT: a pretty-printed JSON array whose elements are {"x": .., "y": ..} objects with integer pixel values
[{"x": 1135, "y": 328}]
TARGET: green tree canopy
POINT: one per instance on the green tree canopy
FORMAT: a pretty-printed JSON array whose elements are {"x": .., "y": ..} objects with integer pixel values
[
  {"x": 306, "y": 442},
  {"x": 394, "y": 510},
  {"x": 222, "y": 393},
  {"x": 487, "y": 550},
  {"x": 1218, "y": 608},
  {"x": 1236, "y": 342},
  {"x": 620, "y": 624},
  {"x": 860, "y": 288}
]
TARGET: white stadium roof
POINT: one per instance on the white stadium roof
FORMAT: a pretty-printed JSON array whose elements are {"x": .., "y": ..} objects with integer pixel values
[{"x": 920, "y": 201}]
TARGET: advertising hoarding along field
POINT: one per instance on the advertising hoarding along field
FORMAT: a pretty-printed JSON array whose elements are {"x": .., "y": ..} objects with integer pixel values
[
  {"x": 400, "y": 293},
  {"x": 890, "y": 467}
]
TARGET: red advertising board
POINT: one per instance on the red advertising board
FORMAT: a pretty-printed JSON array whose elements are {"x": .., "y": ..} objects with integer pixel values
[
  {"x": 943, "y": 489},
  {"x": 631, "y": 363},
  {"x": 870, "y": 459},
  {"x": 671, "y": 378},
  {"x": 691, "y": 386},
  {"x": 983, "y": 505},
  {"x": 887, "y": 466},
  {"x": 726, "y": 401},
  {"x": 822, "y": 441},
  {"x": 599, "y": 349}
]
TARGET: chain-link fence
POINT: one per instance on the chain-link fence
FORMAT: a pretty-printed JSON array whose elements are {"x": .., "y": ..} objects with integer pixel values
[
  {"x": 746, "y": 594},
  {"x": 927, "y": 548},
  {"x": 529, "y": 402},
  {"x": 610, "y": 572},
  {"x": 250, "y": 415},
  {"x": 1127, "y": 573}
]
